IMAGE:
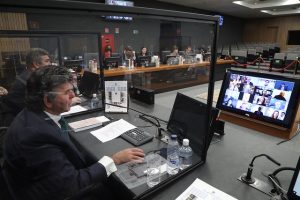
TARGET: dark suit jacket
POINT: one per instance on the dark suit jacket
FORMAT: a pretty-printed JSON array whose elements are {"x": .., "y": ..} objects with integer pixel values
[
  {"x": 41, "y": 164},
  {"x": 14, "y": 101}
]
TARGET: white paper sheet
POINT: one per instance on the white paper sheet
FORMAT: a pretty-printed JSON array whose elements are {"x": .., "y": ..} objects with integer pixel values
[
  {"x": 74, "y": 109},
  {"x": 199, "y": 190},
  {"x": 112, "y": 130}
]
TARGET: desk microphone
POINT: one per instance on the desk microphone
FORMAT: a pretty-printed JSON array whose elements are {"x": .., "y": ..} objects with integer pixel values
[
  {"x": 248, "y": 177},
  {"x": 145, "y": 117}
]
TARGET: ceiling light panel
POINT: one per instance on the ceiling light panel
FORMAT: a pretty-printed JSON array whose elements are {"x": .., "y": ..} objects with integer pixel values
[{"x": 262, "y": 4}]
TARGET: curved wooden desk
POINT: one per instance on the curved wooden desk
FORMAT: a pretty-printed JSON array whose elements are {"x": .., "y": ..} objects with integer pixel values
[
  {"x": 123, "y": 71},
  {"x": 168, "y": 77}
]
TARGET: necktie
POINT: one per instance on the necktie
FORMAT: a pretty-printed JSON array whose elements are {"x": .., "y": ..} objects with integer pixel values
[{"x": 64, "y": 128}]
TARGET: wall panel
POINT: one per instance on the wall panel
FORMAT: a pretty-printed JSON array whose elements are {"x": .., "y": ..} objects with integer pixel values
[{"x": 258, "y": 30}]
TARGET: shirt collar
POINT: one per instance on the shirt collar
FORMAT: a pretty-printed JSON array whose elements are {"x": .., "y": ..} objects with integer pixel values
[{"x": 55, "y": 118}]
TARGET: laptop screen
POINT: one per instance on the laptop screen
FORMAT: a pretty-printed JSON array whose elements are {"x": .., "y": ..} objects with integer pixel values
[
  {"x": 89, "y": 84},
  {"x": 188, "y": 120},
  {"x": 294, "y": 189}
]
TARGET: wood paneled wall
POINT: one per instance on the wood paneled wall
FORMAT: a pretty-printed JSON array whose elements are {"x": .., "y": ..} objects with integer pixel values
[
  {"x": 271, "y": 30},
  {"x": 12, "y": 21}
]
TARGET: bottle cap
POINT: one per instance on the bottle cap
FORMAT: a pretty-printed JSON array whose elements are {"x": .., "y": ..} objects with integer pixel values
[
  {"x": 185, "y": 142},
  {"x": 94, "y": 95}
]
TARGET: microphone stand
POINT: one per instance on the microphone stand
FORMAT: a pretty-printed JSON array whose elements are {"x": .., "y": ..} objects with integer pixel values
[
  {"x": 145, "y": 117},
  {"x": 255, "y": 182}
]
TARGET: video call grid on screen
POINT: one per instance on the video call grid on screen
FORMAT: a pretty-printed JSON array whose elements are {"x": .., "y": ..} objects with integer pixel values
[{"x": 261, "y": 96}]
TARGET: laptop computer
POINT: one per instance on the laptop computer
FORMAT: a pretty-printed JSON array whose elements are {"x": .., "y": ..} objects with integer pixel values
[
  {"x": 188, "y": 120},
  {"x": 89, "y": 84},
  {"x": 294, "y": 189}
]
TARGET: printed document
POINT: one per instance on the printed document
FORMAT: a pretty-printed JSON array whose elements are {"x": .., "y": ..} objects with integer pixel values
[
  {"x": 112, "y": 130},
  {"x": 74, "y": 109},
  {"x": 199, "y": 190}
]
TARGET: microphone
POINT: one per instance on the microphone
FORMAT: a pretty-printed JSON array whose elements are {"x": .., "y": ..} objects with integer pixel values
[
  {"x": 248, "y": 177},
  {"x": 157, "y": 124},
  {"x": 145, "y": 117}
]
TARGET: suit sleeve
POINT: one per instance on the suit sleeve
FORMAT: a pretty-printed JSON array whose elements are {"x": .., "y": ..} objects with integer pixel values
[{"x": 50, "y": 166}]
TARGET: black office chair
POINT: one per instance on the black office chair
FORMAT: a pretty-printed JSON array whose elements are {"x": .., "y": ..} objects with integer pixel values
[
  {"x": 4, "y": 191},
  {"x": 290, "y": 61},
  {"x": 2, "y": 136},
  {"x": 277, "y": 64}
]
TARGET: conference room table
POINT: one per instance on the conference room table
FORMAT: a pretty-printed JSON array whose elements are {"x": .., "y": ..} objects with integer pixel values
[{"x": 227, "y": 159}]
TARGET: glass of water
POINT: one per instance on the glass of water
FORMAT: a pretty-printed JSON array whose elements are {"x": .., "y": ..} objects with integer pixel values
[{"x": 153, "y": 160}]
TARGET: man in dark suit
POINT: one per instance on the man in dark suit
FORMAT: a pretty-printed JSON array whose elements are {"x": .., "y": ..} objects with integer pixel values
[
  {"x": 14, "y": 101},
  {"x": 40, "y": 160}
]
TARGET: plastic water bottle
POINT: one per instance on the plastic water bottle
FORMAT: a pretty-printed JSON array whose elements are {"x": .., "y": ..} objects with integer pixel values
[
  {"x": 172, "y": 156},
  {"x": 94, "y": 101},
  {"x": 185, "y": 154}
]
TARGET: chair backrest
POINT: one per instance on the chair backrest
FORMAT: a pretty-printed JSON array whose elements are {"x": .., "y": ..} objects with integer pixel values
[
  {"x": 251, "y": 52},
  {"x": 280, "y": 56},
  {"x": 2, "y": 136},
  {"x": 239, "y": 53},
  {"x": 291, "y": 56},
  {"x": 4, "y": 191},
  {"x": 225, "y": 52},
  {"x": 259, "y": 49}
]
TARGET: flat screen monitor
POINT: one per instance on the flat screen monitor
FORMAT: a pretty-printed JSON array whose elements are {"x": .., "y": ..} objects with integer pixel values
[
  {"x": 163, "y": 56},
  {"x": 294, "y": 189},
  {"x": 172, "y": 60},
  {"x": 188, "y": 120},
  {"x": 143, "y": 60},
  {"x": 89, "y": 84},
  {"x": 262, "y": 97},
  {"x": 115, "y": 55},
  {"x": 251, "y": 57},
  {"x": 112, "y": 62}
]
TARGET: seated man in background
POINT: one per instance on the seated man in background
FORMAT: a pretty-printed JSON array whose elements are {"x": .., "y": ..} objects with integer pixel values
[
  {"x": 40, "y": 160},
  {"x": 188, "y": 50},
  {"x": 129, "y": 53},
  {"x": 14, "y": 102},
  {"x": 188, "y": 55}
]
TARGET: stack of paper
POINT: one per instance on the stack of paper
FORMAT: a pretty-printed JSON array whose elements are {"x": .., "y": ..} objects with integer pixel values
[
  {"x": 199, "y": 190},
  {"x": 87, "y": 123}
]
